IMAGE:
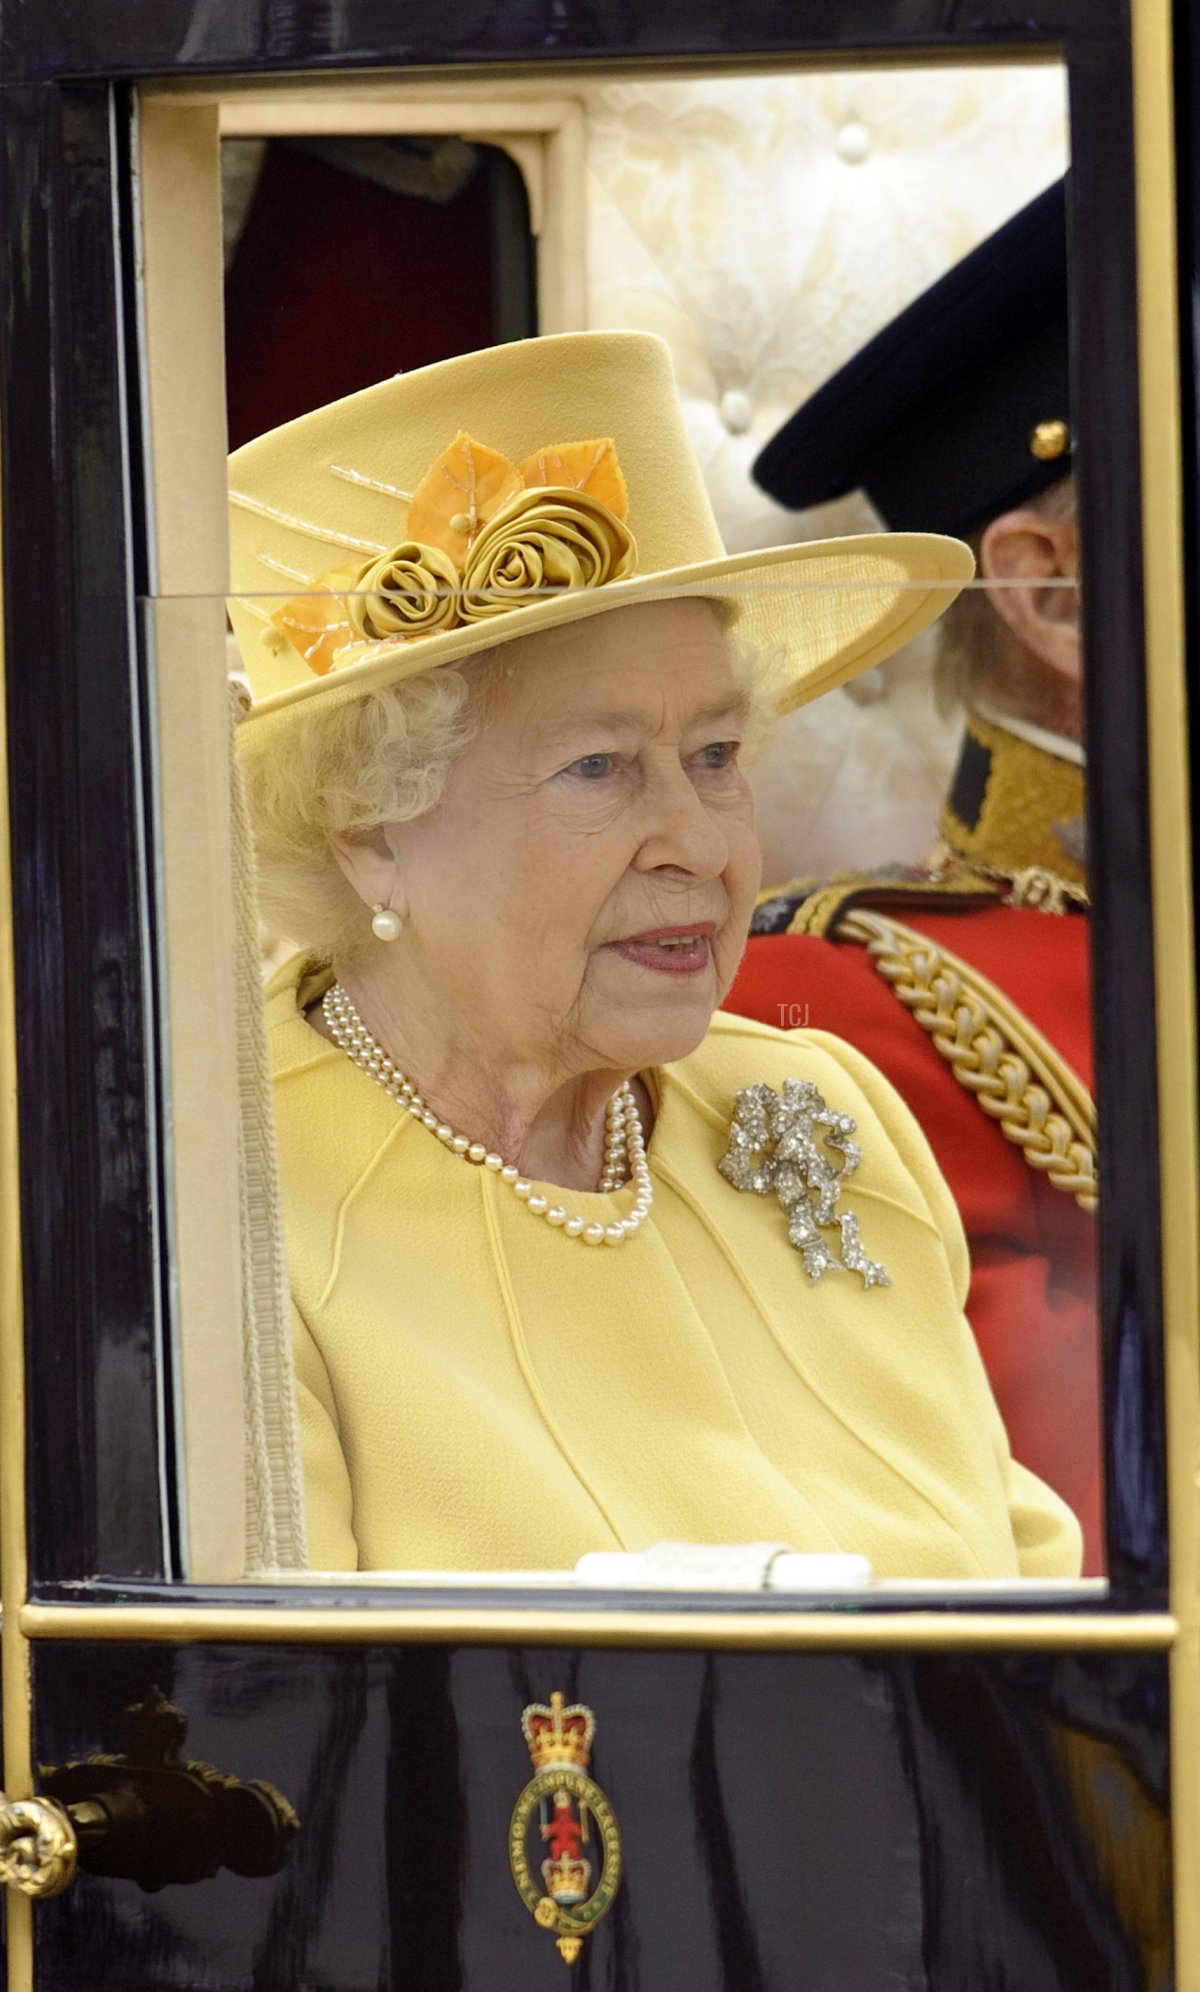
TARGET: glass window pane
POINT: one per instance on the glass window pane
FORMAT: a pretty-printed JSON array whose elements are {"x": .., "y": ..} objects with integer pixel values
[{"x": 861, "y": 286}]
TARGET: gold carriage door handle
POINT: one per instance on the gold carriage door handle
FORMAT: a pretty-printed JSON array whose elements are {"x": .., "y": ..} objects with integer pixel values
[
  {"x": 149, "y": 1815},
  {"x": 39, "y": 1847}
]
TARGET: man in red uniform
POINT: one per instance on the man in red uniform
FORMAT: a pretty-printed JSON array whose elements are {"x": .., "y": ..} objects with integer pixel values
[{"x": 966, "y": 981}]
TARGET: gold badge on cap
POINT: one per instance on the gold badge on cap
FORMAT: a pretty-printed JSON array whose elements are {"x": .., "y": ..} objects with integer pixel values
[
  {"x": 1049, "y": 440},
  {"x": 563, "y": 1829}
]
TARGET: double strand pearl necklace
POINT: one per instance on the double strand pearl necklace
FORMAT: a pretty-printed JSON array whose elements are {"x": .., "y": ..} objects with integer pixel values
[{"x": 624, "y": 1143}]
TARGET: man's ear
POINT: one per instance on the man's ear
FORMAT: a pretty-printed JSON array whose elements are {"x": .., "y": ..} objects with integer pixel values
[
  {"x": 369, "y": 864},
  {"x": 1031, "y": 557}
]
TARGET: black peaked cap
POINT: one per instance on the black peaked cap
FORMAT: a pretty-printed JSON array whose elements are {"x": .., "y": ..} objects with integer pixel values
[{"x": 934, "y": 419}]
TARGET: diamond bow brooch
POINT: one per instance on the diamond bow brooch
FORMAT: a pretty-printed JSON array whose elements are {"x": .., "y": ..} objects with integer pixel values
[{"x": 797, "y": 1146}]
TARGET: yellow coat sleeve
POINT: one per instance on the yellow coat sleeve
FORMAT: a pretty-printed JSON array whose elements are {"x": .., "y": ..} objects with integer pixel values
[
  {"x": 328, "y": 1497},
  {"x": 1047, "y": 1535}
]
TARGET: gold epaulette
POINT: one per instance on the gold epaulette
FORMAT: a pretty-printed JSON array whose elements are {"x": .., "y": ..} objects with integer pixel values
[
  {"x": 815, "y": 906},
  {"x": 1015, "y": 1075}
]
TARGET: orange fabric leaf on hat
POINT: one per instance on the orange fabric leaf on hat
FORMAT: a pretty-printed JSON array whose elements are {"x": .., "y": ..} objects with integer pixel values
[
  {"x": 458, "y": 494},
  {"x": 318, "y": 624},
  {"x": 590, "y": 467}
]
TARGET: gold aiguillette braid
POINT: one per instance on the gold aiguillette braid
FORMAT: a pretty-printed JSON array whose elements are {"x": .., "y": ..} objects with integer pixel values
[{"x": 993, "y": 1050}]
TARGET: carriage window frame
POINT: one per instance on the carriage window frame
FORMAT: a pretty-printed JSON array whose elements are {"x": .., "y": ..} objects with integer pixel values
[{"x": 188, "y": 561}]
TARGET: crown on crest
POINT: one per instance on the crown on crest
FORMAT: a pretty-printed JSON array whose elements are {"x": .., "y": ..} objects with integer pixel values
[
  {"x": 568, "y": 1880},
  {"x": 558, "y": 1735}
]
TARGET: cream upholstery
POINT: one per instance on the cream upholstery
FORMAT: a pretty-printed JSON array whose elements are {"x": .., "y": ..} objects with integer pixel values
[{"x": 766, "y": 227}]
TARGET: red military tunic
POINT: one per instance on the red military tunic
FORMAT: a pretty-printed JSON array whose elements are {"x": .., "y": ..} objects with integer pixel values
[{"x": 1033, "y": 1299}]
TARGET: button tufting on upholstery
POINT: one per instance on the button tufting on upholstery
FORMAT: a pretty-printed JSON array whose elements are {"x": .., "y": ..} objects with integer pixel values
[
  {"x": 735, "y": 411},
  {"x": 853, "y": 143}
]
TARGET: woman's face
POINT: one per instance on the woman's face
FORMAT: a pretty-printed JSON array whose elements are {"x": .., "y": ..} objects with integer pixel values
[{"x": 581, "y": 895}]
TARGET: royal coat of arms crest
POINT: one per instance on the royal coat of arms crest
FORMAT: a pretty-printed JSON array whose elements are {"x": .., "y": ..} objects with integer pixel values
[{"x": 564, "y": 1844}]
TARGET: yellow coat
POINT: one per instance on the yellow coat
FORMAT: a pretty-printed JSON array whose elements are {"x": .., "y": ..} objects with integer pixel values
[{"x": 478, "y": 1391}]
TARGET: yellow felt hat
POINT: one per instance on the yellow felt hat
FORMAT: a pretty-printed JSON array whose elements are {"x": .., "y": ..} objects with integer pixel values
[{"x": 454, "y": 508}]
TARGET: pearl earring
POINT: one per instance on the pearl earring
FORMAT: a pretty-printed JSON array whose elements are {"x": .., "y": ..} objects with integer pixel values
[{"x": 385, "y": 925}]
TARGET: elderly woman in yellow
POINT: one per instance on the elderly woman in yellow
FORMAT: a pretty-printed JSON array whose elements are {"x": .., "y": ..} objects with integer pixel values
[{"x": 576, "y": 1263}]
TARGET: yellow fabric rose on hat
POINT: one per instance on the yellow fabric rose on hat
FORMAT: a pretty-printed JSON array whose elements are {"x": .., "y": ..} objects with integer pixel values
[
  {"x": 410, "y": 591},
  {"x": 486, "y": 536},
  {"x": 542, "y": 541}
]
